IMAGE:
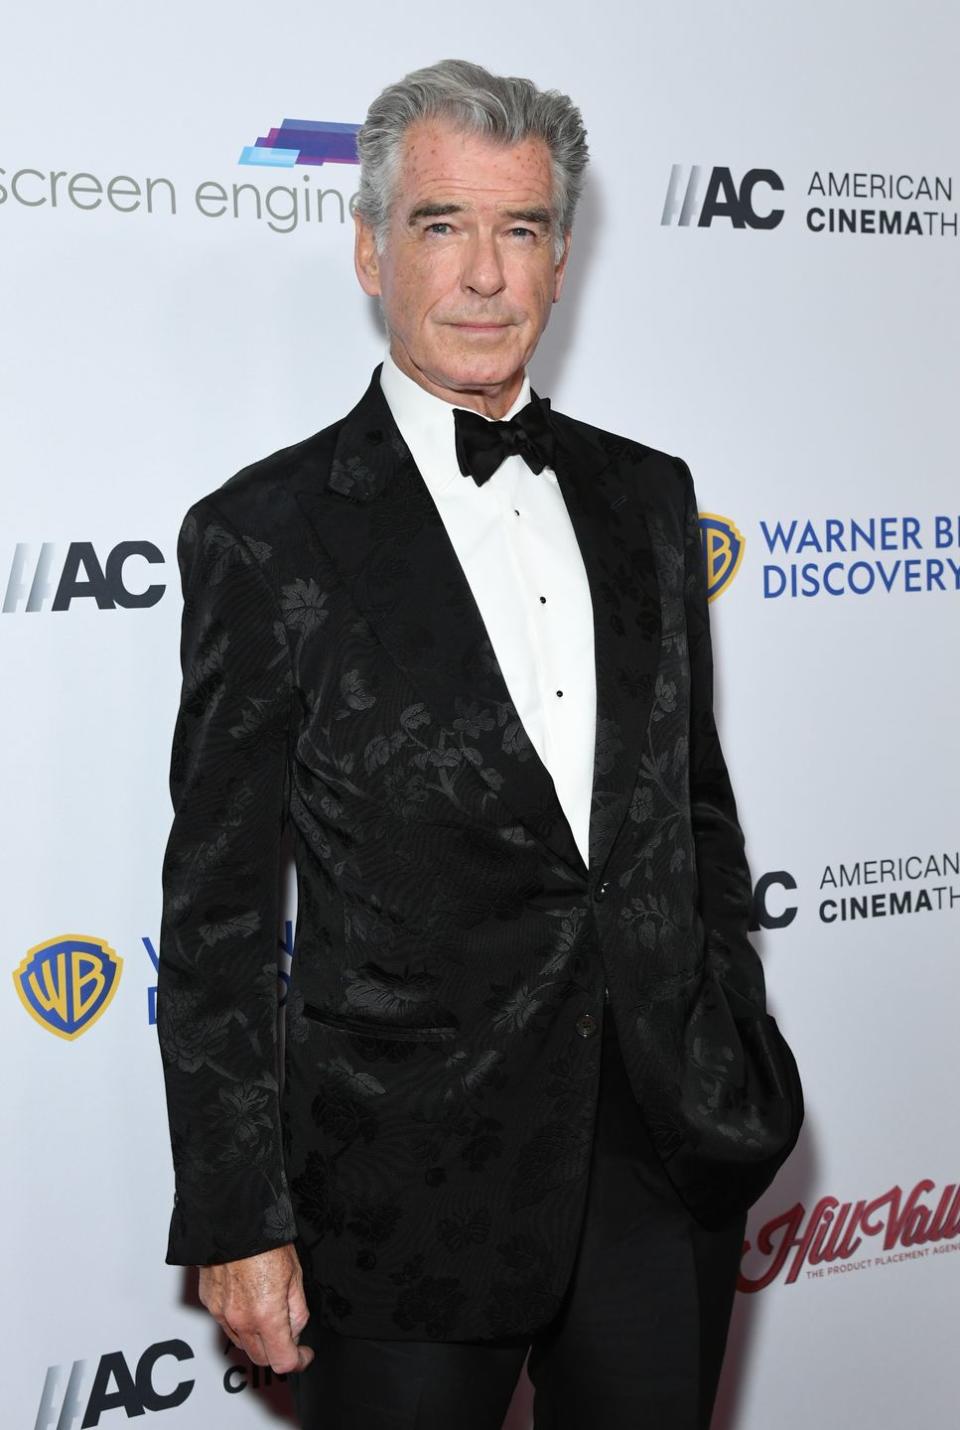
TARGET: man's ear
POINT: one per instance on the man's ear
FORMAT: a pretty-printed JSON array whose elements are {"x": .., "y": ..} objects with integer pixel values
[
  {"x": 561, "y": 268},
  {"x": 366, "y": 260}
]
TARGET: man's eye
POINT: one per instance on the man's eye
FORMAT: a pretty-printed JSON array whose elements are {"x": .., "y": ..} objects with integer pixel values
[
  {"x": 436, "y": 227},
  {"x": 523, "y": 232}
]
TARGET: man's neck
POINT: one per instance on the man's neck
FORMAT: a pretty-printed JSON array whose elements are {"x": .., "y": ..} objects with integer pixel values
[{"x": 490, "y": 401}]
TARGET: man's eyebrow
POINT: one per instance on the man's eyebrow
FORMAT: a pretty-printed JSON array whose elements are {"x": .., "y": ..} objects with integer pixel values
[
  {"x": 433, "y": 211},
  {"x": 534, "y": 215}
]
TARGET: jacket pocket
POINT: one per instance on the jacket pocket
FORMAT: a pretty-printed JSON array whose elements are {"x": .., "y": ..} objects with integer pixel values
[{"x": 370, "y": 1028}]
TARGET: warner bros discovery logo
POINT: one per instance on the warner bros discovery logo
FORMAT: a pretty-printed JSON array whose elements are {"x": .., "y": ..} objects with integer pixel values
[
  {"x": 723, "y": 546},
  {"x": 68, "y": 982}
]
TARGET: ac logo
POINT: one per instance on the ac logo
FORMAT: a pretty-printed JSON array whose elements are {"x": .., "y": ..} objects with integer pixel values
[
  {"x": 724, "y": 198},
  {"x": 723, "y": 548},
  {"x": 114, "y": 1387},
  {"x": 763, "y": 915},
  {"x": 81, "y": 576},
  {"x": 66, "y": 983}
]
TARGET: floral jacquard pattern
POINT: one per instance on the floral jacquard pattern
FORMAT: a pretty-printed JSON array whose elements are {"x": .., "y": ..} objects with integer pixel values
[{"x": 425, "y": 1137}]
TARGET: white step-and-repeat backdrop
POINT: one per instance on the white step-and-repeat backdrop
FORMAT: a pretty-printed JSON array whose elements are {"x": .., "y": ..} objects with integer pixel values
[{"x": 765, "y": 281}]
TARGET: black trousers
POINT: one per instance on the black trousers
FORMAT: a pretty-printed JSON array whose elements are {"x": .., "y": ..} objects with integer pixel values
[{"x": 637, "y": 1343}]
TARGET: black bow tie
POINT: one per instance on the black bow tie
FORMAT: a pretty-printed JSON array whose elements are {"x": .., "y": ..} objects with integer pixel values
[{"x": 482, "y": 445}]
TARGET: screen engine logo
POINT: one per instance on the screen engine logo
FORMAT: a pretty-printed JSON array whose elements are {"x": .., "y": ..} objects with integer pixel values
[
  {"x": 304, "y": 141},
  {"x": 66, "y": 983}
]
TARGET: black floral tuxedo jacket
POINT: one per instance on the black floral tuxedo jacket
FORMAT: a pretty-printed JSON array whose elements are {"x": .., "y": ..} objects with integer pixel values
[{"x": 426, "y": 1141}]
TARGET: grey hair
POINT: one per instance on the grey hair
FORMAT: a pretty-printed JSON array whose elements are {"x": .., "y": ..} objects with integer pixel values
[{"x": 505, "y": 109}]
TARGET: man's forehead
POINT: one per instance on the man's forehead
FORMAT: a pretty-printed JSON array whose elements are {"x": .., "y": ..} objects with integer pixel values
[{"x": 440, "y": 160}]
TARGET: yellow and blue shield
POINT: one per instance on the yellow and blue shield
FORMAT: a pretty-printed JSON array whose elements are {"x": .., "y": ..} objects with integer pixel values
[
  {"x": 722, "y": 551},
  {"x": 66, "y": 983}
]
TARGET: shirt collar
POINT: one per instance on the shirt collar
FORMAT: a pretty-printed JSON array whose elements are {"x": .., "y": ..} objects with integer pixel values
[{"x": 426, "y": 423}]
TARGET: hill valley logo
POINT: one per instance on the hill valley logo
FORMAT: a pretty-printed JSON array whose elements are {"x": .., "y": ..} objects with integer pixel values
[
  {"x": 896, "y": 1226},
  {"x": 68, "y": 982}
]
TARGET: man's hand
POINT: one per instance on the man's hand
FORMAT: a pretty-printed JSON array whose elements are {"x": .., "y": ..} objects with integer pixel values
[{"x": 259, "y": 1302}]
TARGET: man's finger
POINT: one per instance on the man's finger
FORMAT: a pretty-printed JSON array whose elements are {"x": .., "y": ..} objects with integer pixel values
[
  {"x": 229, "y": 1332},
  {"x": 297, "y": 1308},
  {"x": 283, "y": 1355},
  {"x": 306, "y": 1356},
  {"x": 250, "y": 1339}
]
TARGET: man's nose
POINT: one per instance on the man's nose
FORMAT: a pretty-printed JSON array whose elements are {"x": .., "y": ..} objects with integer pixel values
[{"x": 483, "y": 268}]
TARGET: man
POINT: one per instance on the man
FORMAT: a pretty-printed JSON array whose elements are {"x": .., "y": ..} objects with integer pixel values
[{"x": 459, "y": 643}]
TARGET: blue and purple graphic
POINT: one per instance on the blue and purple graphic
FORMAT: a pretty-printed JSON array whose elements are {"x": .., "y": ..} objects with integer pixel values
[{"x": 304, "y": 141}]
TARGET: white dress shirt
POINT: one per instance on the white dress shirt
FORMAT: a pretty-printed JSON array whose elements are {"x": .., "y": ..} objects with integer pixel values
[{"x": 520, "y": 555}]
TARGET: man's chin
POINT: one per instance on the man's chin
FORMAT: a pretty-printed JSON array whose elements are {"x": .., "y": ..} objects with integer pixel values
[
  {"x": 474, "y": 375},
  {"x": 480, "y": 357}
]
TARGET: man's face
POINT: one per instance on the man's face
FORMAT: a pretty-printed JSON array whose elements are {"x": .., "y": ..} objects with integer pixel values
[{"x": 468, "y": 274}]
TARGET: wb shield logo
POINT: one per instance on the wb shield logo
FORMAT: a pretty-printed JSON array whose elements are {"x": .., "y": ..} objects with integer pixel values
[
  {"x": 67, "y": 982},
  {"x": 722, "y": 551}
]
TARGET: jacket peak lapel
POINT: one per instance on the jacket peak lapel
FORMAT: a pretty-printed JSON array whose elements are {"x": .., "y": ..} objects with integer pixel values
[
  {"x": 377, "y": 522},
  {"x": 601, "y": 483}
]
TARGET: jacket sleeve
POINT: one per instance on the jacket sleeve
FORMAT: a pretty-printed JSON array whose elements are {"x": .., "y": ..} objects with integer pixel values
[
  {"x": 217, "y": 974},
  {"x": 726, "y": 886}
]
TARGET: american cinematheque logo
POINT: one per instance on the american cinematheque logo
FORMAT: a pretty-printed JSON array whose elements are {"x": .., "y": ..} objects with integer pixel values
[
  {"x": 866, "y": 888},
  {"x": 894, "y": 1227},
  {"x": 857, "y": 890},
  {"x": 860, "y": 202},
  {"x": 303, "y": 146}
]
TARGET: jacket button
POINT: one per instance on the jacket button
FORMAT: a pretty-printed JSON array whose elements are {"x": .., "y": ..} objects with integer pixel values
[
  {"x": 586, "y": 1025},
  {"x": 600, "y": 892}
]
